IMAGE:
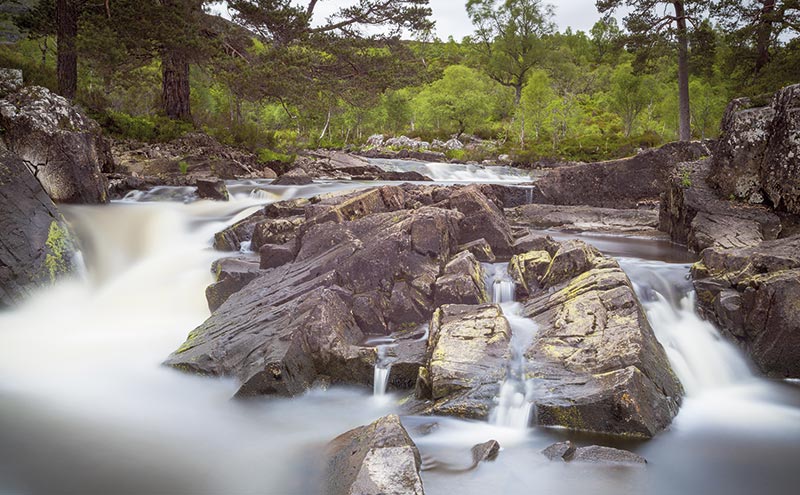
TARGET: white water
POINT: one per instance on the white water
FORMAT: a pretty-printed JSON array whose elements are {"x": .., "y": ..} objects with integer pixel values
[
  {"x": 380, "y": 377},
  {"x": 456, "y": 173}
]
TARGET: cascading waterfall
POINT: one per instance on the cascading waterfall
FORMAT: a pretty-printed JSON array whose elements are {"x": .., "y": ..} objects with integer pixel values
[
  {"x": 380, "y": 376},
  {"x": 514, "y": 403}
]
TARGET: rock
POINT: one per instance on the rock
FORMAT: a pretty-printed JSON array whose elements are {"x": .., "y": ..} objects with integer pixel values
[
  {"x": 378, "y": 459},
  {"x": 594, "y": 454},
  {"x": 756, "y": 157},
  {"x": 36, "y": 246},
  {"x": 65, "y": 147},
  {"x": 751, "y": 294},
  {"x": 468, "y": 349},
  {"x": 595, "y": 357},
  {"x": 487, "y": 451},
  {"x": 214, "y": 189},
  {"x": 232, "y": 274},
  {"x": 294, "y": 177},
  {"x": 618, "y": 183},
  {"x": 376, "y": 140},
  {"x": 303, "y": 319},
  {"x": 462, "y": 282},
  {"x": 482, "y": 220},
  {"x": 273, "y": 255},
  {"x": 528, "y": 269},
  {"x": 480, "y": 249},
  {"x": 275, "y": 231},
  {"x": 406, "y": 142},
  {"x": 692, "y": 214},
  {"x": 398, "y": 176},
  {"x": 358, "y": 204},
  {"x": 584, "y": 218},
  {"x": 453, "y": 144},
  {"x": 10, "y": 81},
  {"x": 405, "y": 355},
  {"x": 231, "y": 238},
  {"x": 338, "y": 165},
  {"x": 536, "y": 242}
]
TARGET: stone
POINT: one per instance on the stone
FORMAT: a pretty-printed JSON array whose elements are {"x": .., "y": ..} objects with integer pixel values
[
  {"x": 536, "y": 242},
  {"x": 597, "y": 364},
  {"x": 621, "y": 183},
  {"x": 275, "y": 231},
  {"x": 693, "y": 214},
  {"x": 232, "y": 275},
  {"x": 480, "y": 249},
  {"x": 528, "y": 269},
  {"x": 572, "y": 259},
  {"x": 595, "y": 454},
  {"x": 10, "y": 81},
  {"x": 213, "y": 189},
  {"x": 233, "y": 237},
  {"x": 36, "y": 245},
  {"x": 486, "y": 451},
  {"x": 482, "y": 220},
  {"x": 468, "y": 349},
  {"x": 274, "y": 255},
  {"x": 294, "y": 177},
  {"x": 376, "y": 140},
  {"x": 752, "y": 295},
  {"x": 585, "y": 218},
  {"x": 65, "y": 148},
  {"x": 377, "y": 459},
  {"x": 560, "y": 451},
  {"x": 462, "y": 282}
]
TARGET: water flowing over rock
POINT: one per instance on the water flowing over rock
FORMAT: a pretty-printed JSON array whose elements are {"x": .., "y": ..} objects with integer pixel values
[
  {"x": 36, "y": 246},
  {"x": 618, "y": 183},
  {"x": 595, "y": 358},
  {"x": 64, "y": 146},
  {"x": 377, "y": 459},
  {"x": 693, "y": 214},
  {"x": 752, "y": 294},
  {"x": 758, "y": 153}
]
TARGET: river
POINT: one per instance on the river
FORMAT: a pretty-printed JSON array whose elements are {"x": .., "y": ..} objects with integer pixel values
[{"x": 86, "y": 407}]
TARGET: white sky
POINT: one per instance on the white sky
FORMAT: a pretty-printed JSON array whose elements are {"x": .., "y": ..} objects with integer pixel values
[{"x": 451, "y": 15}]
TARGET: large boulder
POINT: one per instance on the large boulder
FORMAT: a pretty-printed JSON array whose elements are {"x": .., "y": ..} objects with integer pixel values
[
  {"x": 10, "y": 81},
  {"x": 36, "y": 246},
  {"x": 756, "y": 158},
  {"x": 617, "y": 183},
  {"x": 231, "y": 275},
  {"x": 597, "y": 362},
  {"x": 595, "y": 454},
  {"x": 65, "y": 147},
  {"x": 468, "y": 352},
  {"x": 377, "y": 459},
  {"x": 213, "y": 189},
  {"x": 461, "y": 282},
  {"x": 307, "y": 318},
  {"x": 692, "y": 213},
  {"x": 482, "y": 220},
  {"x": 752, "y": 294}
]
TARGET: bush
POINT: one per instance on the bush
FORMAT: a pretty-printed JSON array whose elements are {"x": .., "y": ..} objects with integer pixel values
[{"x": 150, "y": 128}]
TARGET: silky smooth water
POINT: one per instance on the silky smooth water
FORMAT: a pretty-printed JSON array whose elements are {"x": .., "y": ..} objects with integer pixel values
[{"x": 86, "y": 407}]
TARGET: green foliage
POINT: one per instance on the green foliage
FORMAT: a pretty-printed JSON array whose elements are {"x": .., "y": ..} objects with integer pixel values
[
  {"x": 183, "y": 167},
  {"x": 267, "y": 157},
  {"x": 151, "y": 128},
  {"x": 686, "y": 178}
]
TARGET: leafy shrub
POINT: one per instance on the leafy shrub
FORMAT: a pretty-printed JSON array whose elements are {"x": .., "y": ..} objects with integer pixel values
[{"x": 151, "y": 128}]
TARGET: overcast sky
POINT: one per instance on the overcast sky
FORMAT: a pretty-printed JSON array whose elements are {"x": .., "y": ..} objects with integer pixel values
[{"x": 451, "y": 15}]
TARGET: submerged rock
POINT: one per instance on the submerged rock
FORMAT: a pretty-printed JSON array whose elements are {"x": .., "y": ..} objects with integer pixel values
[
  {"x": 65, "y": 147},
  {"x": 752, "y": 294},
  {"x": 214, "y": 189},
  {"x": 595, "y": 454},
  {"x": 377, "y": 459},
  {"x": 36, "y": 246}
]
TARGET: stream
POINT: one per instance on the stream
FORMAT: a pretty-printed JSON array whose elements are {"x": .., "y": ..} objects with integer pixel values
[{"x": 86, "y": 407}]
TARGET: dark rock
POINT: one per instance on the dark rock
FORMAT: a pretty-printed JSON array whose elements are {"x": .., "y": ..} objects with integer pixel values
[
  {"x": 294, "y": 177},
  {"x": 10, "y": 81},
  {"x": 480, "y": 249},
  {"x": 275, "y": 231},
  {"x": 65, "y": 147},
  {"x": 529, "y": 269},
  {"x": 693, "y": 214},
  {"x": 756, "y": 158},
  {"x": 486, "y": 451},
  {"x": 572, "y": 259},
  {"x": 378, "y": 459},
  {"x": 482, "y": 220},
  {"x": 232, "y": 237},
  {"x": 468, "y": 349},
  {"x": 595, "y": 356},
  {"x": 617, "y": 183},
  {"x": 595, "y": 454},
  {"x": 214, "y": 189},
  {"x": 462, "y": 282},
  {"x": 536, "y": 242},
  {"x": 359, "y": 204},
  {"x": 273, "y": 255},
  {"x": 584, "y": 218},
  {"x": 36, "y": 246},
  {"x": 752, "y": 294},
  {"x": 232, "y": 274},
  {"x": 560, "y": 450}
]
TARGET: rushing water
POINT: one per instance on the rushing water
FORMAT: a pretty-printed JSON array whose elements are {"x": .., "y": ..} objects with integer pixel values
[
  {"x": 85, "y": 406},
  {"x": 455, "y": 173}
]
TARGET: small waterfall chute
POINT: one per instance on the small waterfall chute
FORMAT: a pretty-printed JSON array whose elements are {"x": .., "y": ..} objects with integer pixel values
[{"x": 380, "y": 376}]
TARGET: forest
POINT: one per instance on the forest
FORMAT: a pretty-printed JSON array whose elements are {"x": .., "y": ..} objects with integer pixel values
[{"x": 270, "y": 77}]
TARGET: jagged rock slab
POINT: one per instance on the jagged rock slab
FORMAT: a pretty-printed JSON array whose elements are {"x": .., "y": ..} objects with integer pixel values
[{"x": 585, "y": 218}]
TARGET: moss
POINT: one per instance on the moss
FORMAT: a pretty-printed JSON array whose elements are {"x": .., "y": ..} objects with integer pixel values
[
  {"x": 569, "y": 417},
  {"x": 59, "y": 246},
  {"x": 191, "y": 341}
]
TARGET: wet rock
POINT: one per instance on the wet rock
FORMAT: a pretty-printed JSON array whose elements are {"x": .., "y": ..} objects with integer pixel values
[
  {"x": 468, "y": 348},
  {"x": 560, "y": 450},
  {"x": 756, "y": 158},
  {"x": 751, "y": 294},
  {"x": 482, "y": 220},
  {"x": 36, "y": 246},
  {"x": 378, "y": 459},
  {"x": 232, "y": 238},
  {"x": 486, "y": 451},
  {"x": 618, "y": 183},
  {"x": 356, "y": 205},
  {"x": 480, "y": 249},
  {"x": 232, "y": 274},
  {"x": 572, "y": 259},
  {"x": 461, "y": 282},
  {"x": 594, "y": 454},
  {"x": 595, "y": 357},
  {"x": 274, "y": 255},
  {"x": 397, "y": 176},
  {"x": 529, "y": 269},
  {"x": 294, "y": 177},
  {"x": 275, "y": 231},
  {"x": 693, "y": 214},
  {"x": 213, "y": 189},
  {"x": 65, "y": 148},
  {"x": 536, "y": 242},
  {"x": 585, "y": 218}
]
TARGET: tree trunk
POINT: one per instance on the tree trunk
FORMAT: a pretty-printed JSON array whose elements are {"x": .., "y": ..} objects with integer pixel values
[
  {"x": 175, "y": 85},
  {"x": 764, "y": 34},
  {"x": 684, "y": 115},
  {"x": 67, "y": 58}
]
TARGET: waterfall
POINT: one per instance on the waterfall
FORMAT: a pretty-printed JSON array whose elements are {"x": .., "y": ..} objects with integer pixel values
[
  {"x": 380, "y": 376},
  {"x": 501, "y": 285}
]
